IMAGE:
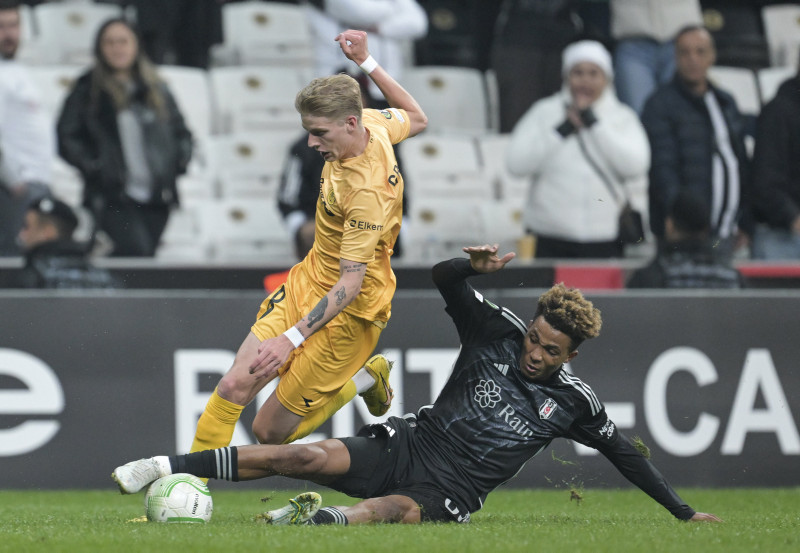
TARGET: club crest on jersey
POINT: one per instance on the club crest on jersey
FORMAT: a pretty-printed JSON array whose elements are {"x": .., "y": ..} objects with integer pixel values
[{"x": 547, "y": 409}]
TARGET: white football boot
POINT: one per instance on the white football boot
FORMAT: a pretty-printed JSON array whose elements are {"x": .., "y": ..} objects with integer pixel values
[{"x": 132, "y": 477}]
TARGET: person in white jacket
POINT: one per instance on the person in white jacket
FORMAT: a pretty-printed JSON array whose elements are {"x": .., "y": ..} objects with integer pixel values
[
  {"x": 391, "y": 25},
  {"x": 582, "y": 149},
  {"x": 27, "y": 136}
]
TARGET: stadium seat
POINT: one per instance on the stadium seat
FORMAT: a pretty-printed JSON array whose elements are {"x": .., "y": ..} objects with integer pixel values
[
  {"x": 265, "y": 33},
  {"x": 66, "y": 31},
  {"x": 192, "y": 92},
  {"x": 256, "y": 98},
  {"x": 503, "y": 223},
  {"x": 770, "y": 79},
  {"x": 54, "y": 83},
  {"x": 438, "y": 166},
  {"x": 492, "y": 150},
  {"x": 741, "y": 83},
  {"x": 249, "y": 164},
  {"x": 738, "y": 33},
  {"x": 437, "y": 228},
  {"x": 456, "y": 98},
  {"x": 248, "y": 231},
  {"x": 185, "y": 239},
  {"x": 29, "y": 51},
  {"x": 782, "y": 29}
]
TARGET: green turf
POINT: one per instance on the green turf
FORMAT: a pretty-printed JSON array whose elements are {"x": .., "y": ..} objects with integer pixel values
[{"x": 762, "y": 520}]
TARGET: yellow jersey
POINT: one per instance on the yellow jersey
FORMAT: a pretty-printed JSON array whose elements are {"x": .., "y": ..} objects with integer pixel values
[{"x": 358, "y": 218}]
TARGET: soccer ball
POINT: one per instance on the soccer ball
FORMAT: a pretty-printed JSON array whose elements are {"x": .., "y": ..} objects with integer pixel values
[{"x": 178, "y": 498}]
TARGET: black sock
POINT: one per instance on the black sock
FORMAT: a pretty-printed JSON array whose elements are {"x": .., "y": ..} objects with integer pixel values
[
  {"x": 222, "y": 464},
  {"x": 329, "y": 515}
]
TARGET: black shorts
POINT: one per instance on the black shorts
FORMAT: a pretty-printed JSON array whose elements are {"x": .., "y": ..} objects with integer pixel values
[{"x": 382, "y": 463}]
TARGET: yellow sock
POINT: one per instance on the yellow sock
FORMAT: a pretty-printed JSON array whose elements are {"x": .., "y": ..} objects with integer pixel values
[
  {"x": 317, "y": 418},
  {"x": 216, "y": 424}
]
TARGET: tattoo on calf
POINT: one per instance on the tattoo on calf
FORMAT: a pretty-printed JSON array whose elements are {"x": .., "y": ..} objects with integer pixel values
[{"x": 319, "y": 310}]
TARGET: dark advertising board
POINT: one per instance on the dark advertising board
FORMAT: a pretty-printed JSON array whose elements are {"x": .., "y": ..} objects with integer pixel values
[{"x": 709, "y": 382}]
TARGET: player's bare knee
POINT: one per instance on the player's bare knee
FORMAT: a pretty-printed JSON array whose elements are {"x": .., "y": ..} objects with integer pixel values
[
  {"x": 234, "y": 389},
  {"x": 266, "y": 435}
]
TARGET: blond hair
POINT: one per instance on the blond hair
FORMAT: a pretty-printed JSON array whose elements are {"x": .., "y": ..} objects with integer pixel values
[
  {"x": 335, "y": 97},
  {"x": 566, "y": 310}
]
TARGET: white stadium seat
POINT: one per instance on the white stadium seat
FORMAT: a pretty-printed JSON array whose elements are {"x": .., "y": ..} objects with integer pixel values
[
  {"x": 249, "y": 164},
  {"x": 54, "y": 83},
  {"x": 770, "y": 79},
  {"x": 265, "y": 33},
  {"x": 256, "y": 98},
  {"x": 782, "y": 29},
  {"x": 455, "y": 98},
  {"x": 443, "y": 166},
  {"x": 66, "y": 31},
  {"x": 248, "y": 231},
  {"x": 741, "y": 83},
  {"x": 492, "y": 149},
  {"x": 192, "y": 92},
  {"x": 437, "y": 228}
]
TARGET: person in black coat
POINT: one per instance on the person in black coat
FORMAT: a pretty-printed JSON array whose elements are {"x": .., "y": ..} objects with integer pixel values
[
  {"x": 776, "y": 176},
  {"x": 52, "y": 258},
  {"x": 121, "y": 128},
  {"x": 696, "y": 135},
  {"x": 687, "y": 257}
]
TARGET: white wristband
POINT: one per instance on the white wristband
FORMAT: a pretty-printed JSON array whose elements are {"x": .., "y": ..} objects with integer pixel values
[
  {"x": 295, "y": 336},
  {"x": 369, "y": 65}
]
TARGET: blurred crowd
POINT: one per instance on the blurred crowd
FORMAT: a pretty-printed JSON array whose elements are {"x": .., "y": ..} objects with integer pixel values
[{"x": 605, "y": 129}]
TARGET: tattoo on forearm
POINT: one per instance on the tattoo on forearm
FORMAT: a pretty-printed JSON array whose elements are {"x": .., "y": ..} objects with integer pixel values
[
  {"x": 340, "y": 294},
  {"x": 317, "y": 313},
  {"x": 352, "y": 268}
]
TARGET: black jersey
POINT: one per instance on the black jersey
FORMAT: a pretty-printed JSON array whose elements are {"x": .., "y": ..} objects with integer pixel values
[{"x": 488, "y": 421}]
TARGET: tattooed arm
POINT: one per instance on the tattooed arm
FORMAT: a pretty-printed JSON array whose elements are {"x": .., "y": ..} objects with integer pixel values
[
  {"x": 351, "y": 275},
  {"x": 273, "y": 353}
]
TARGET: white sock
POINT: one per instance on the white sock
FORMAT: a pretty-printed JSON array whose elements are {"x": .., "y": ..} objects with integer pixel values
[
  {"x": 164, "y": 468},
  {"x": 363, "y": 380}
]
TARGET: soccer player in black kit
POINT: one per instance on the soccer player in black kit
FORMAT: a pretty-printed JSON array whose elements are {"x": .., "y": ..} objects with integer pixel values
[{"x": 507, "y": 398}]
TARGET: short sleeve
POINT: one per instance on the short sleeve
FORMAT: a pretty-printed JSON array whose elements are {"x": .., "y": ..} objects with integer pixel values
[{"x": 396, "y": 122}]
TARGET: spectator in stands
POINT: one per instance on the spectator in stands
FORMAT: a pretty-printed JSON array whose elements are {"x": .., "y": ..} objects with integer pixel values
[
  {"x": 696, "y": 135},
  {"x": 52, "y": 258},
  {"x": 529, "y": 37},
  {"x": 687, "y": 257},
  {"x": 391, "y": 24},
  {"x": 644, "y": 56},
  {"x": 299, "y": 193},
  {"x": 776, "y": 176},
  {"x": 121, "y": 128},
  {"x": 583, "y": 150},
  {"x": 180, "y": 32},
  {"x": 27, "y": 141}
]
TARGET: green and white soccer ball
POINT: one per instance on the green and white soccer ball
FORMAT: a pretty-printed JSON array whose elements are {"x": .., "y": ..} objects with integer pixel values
[{"x": 178, "y": 498}]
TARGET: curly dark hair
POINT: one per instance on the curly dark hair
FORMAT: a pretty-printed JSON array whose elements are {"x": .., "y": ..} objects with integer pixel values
[{"x": 566, "y": 310}]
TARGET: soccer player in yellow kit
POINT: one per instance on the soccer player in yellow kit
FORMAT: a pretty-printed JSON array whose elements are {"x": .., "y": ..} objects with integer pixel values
[{"x": 318, "y": 330}]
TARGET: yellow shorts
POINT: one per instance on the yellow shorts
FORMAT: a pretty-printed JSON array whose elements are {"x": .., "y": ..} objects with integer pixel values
[{"x": 316, "y": 371}]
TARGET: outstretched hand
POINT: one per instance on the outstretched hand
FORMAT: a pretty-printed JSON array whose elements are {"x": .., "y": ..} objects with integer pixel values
[
  {"x": 704, "y": 517},
  {"x": 484, "y": 258},
  {"x": 354, "y": 45}
]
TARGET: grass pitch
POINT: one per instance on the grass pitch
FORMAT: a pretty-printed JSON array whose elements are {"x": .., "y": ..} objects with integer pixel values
[{"x": 763, "y": 520}]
